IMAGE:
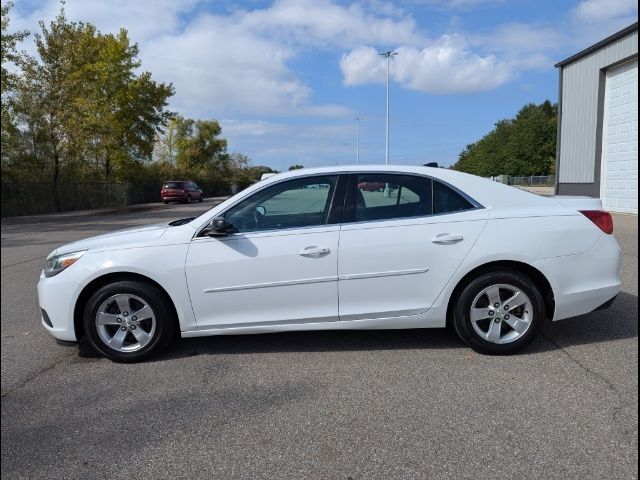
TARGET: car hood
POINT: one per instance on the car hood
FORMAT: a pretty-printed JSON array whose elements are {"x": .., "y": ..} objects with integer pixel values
[{"x": 126, "y": 238}]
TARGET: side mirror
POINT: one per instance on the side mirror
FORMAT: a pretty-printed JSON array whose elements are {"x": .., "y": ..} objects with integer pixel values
[{"x": 219, "y": 228}]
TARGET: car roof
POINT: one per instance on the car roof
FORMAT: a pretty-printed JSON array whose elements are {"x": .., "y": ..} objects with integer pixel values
[{"x": 484, "y": 191}]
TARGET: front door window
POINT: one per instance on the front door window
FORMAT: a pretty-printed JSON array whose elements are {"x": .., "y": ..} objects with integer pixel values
[{"x": 297, "y": 203}]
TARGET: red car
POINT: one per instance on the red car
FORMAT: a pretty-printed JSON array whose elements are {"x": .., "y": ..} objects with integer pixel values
[
  {"x": 180, "y": 191},
  {"x": 371, "y": 186}
]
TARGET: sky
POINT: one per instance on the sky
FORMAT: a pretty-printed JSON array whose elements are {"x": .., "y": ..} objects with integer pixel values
[{"x": 288, "y": 78}]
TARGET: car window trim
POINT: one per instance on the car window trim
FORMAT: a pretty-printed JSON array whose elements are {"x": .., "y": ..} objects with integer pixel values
[
  {"x": 345, "y": 177},
  {"x": 336, "y": 208},
  {"x": 352, "y": 182}
]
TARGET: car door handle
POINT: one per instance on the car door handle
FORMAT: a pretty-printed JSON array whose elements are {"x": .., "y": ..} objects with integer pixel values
[
  {"x": 447, "y": 239},
  {"x": 314, "y": 251}
]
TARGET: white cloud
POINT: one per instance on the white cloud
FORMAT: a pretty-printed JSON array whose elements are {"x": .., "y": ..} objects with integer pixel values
[
  {"x": 602, "y": 10},
  {"x": 446, "y": 66},
  {"x": 142, "y": 18},
  {"x": 251, "y": 128},
  {"x": 519, "y": 38},
  {"x": 285, "y": 144},
  {"x": 325, "y": 23},
  {"x": 217, "y": 65},
  {"x": 457, "y": 4},
  {"x": 223, "y": 64},
  {"x": 239, "y": 63}
]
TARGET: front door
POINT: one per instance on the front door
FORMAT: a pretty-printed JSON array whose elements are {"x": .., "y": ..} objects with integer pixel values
[{"x": 278, "y": 266}]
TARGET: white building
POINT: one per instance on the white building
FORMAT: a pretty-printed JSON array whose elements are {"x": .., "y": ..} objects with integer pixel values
[{"x": 598, "y": 122}]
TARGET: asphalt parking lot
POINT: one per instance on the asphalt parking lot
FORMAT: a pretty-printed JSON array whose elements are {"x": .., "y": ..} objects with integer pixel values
[{"x": 328, "y": 405}]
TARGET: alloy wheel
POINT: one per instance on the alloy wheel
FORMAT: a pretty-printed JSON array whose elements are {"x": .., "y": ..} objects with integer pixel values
[
  {"x": 125, "y": 323},
  {"x": 501, "y": 313}
]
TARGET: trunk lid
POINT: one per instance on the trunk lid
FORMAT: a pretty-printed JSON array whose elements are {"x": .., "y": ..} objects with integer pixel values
[{"x": 579, "y": 203}]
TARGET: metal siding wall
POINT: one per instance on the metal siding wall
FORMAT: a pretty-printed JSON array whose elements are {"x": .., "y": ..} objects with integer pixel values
[{"x": 580, "y": 83}]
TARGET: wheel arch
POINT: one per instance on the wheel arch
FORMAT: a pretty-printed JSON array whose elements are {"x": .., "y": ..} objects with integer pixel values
[
  {"x": 106, "y": 279},
  {"x": 533, "y": 273}
]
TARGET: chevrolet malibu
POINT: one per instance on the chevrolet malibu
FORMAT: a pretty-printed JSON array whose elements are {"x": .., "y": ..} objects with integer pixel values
[{"x": 313, "y": 250}]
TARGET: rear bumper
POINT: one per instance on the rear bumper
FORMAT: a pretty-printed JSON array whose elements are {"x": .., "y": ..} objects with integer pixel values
[
  {"x": 583, "y": 283},
  {"x": 174, "y": 198}
]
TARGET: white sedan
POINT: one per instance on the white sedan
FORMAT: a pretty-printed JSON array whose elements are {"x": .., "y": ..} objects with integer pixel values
[{"x": 320, "y": 249}]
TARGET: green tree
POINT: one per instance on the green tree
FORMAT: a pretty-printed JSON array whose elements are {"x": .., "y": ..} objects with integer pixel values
[
  {"x": 296, "y": 167},
  {"x": 9, "y": 55},
  {"x": 81, "y": 110},
  {"x": 524, "y": 145},
  {"x": 85, "y": 109},
  {"x": 255, "y": 173},
  {"x": 234, "y": 166},
  {"x": 194, "y": 145}
]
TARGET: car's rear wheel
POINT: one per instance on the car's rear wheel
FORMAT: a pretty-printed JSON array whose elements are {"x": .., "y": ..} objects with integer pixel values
[
  {"x": 188, "y": 198},
  {"x": 128, "y": 321},
  {"x": 499, "y": 312},
  {"x": 201, "y": 198}
]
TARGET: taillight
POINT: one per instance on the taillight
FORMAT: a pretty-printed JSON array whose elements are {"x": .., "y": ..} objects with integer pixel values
[{"x": 602, "y": 219}]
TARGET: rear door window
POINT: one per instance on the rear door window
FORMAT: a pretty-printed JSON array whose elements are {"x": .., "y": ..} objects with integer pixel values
[{"x": 388, "y": 196}]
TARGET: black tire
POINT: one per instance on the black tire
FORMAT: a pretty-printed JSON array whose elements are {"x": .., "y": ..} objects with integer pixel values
[
  {"x": 201, "y": 198},
  {"x": 188, "y": 198},
  {"x": 462, "y": 314},
  {"x": 165, "y": 328}
]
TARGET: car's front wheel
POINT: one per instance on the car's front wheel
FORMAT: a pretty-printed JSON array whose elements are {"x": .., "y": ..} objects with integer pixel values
[
  {"x": 128, "y": 321},
  {"x": 499, "y": 312}
]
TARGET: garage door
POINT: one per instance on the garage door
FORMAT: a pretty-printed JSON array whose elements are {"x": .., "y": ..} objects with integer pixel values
[{"x": 619, "y": 190}]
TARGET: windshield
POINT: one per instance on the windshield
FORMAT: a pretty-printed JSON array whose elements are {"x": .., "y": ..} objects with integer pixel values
[{"x": 172, "y": 185}]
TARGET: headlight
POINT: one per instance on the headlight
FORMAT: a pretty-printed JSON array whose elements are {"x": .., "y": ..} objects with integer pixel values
[{"x": 54, "y": 265}]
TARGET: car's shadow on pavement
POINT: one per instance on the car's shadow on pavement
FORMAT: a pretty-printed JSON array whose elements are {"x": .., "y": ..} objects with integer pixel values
[
  {"x": 319, "y": 341},
  {"x": 617, "y": 323}
]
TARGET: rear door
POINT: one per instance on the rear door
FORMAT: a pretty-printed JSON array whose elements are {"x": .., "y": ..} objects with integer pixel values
[{"x": 401, "y": 243}]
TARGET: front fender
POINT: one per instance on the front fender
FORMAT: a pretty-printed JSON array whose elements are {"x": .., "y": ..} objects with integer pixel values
[{"x": 144, "y": 261}]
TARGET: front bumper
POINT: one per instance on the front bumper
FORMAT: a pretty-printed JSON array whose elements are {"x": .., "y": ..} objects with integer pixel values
[{"x": 57, "y": 297}]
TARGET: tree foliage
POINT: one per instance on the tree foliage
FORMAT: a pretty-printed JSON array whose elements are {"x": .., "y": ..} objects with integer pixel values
[
  {"x": 9, "y": 53},
  {"x": 524, "y": 145},
  {"x": 10, "y": 57},
  {"x": 81, "y": 109}
]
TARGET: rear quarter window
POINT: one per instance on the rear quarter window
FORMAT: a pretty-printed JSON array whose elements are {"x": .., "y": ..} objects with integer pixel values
[{"x": 447, "y": 200}]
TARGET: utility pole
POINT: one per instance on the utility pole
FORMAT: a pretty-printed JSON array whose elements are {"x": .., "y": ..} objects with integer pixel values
[
  {"x": 357, "y": 140},
  {"x": 387, "y": 55}
]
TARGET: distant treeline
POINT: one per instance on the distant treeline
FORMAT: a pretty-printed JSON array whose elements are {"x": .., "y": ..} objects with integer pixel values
[{"x": 524, "y": 145}]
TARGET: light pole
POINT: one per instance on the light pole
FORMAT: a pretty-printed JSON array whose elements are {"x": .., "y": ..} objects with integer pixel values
[
  {"x": 357, "y": 140},
  {"x": 388, "y": 54}
]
